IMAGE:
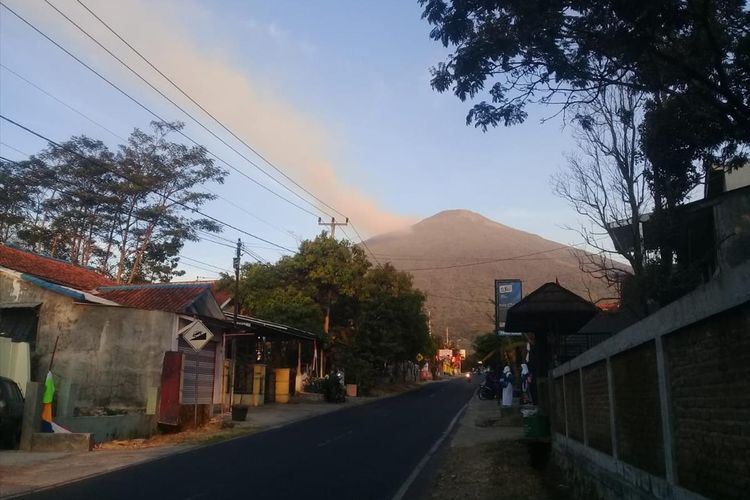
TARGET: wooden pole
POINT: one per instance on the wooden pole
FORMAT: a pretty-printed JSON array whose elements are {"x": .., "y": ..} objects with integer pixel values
[
  {"x": 195, "y": 401},
  {"x": 52, "y": 358}
]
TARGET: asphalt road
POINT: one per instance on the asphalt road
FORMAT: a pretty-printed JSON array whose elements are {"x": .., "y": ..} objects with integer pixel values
[{"x": 363, "y": 452}]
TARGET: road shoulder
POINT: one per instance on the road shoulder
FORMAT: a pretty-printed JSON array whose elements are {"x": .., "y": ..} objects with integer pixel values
[{"x": 487, "y": 458}]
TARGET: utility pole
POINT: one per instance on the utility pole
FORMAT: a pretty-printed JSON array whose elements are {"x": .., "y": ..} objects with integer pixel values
[
  {"x": 327, "y": 320},
  {"x": 236, "y": 262},
  {"x": 333, "y": 225}
]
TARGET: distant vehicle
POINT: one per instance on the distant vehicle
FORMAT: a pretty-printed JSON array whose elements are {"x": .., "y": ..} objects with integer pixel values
[{"x": 11, "y": 413}]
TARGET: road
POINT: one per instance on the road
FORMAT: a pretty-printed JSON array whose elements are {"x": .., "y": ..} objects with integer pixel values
[{"x": 363, "y": 452}]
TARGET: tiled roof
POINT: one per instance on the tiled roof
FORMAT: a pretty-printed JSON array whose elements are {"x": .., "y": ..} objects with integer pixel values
[
  {"x": 221, "y": 296},
  {"x": 170, "y": 297},
  {"x": 52, "y": 270}
]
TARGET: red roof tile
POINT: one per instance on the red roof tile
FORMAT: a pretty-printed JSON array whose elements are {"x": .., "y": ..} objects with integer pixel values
[
  {"x": 170, "y": 297},
  {"x": 53, "y": 270},
  {"x": 221, "y": 296}
]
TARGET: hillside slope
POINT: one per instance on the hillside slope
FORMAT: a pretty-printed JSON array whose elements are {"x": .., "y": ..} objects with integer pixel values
[{"x": 456, "y": 255}]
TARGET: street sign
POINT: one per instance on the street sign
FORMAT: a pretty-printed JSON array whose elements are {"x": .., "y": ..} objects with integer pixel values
[
  {"x": 419, "y": 358},
  {"x": 197, "y": 335},
  {"x": 507, "y": 294}
]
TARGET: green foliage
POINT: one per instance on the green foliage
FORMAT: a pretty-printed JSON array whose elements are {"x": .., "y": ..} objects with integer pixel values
[
  {"x": 333, "y": 388},
  {"x": 485, "y": 344},
  {"x": 689, "y": 55},
  {"x": 690, "y": 61},
  {"x": 128, "y": 212},
  {"x": 377, "y": 316}
]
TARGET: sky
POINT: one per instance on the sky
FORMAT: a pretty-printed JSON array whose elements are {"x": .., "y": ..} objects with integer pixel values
[{"x": 335, "y": 94}]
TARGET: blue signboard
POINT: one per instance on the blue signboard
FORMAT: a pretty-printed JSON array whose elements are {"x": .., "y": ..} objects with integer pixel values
[{"x": 507, "y": 294}]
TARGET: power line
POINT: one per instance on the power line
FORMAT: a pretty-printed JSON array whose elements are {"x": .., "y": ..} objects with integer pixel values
[
  {"x": 516, "y": 257},
  {"x": 487, "y": 301},
  {"x": 48, "y": 94},
  {"x": 364, "y": 244},
  {"x": 151, "y": 112},
  {"x": 204, "y": 263},
  {"x": 52, "y": 96},
  {"x": 119, "y": 89},
  {"x": 106, "y": 167},
  {"x": 179, "y": 256},
  {"x": 205, "y": 110},
  {"x": 187, "y": 113},
  {"x": 195, "y": 266},
  {"x": 243, "y": 209}
]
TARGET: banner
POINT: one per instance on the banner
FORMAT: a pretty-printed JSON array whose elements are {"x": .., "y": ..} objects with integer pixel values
[{"x": 507, "y": 294}]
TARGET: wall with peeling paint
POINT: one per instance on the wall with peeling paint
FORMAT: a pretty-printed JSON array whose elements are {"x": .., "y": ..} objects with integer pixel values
[{"x": 113, "y": 354}]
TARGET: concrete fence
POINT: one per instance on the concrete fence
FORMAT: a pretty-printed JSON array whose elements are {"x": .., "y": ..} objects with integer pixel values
[{"x": 662, "y": 409}]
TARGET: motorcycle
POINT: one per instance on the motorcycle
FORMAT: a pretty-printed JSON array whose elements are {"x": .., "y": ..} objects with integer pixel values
[{"x": 488, "y": 388}]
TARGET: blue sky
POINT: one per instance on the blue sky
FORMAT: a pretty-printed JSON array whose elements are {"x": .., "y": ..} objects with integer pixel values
[{"x": 335, "y": 93}]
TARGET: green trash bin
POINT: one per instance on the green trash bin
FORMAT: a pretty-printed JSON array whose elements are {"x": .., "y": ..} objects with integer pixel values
[{"x": 536, "y": 426}]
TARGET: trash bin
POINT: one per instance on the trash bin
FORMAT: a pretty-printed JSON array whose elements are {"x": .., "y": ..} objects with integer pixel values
[{"x": 536, "y": 426}]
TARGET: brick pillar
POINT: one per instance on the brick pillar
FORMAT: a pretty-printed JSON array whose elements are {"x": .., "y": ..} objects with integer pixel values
[
  {"x": 666, "y": 411},
  {"x": 612, "y": 426}
]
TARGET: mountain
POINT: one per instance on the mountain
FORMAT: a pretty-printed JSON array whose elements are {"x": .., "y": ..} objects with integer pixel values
[{"x": 455, "y": 257}]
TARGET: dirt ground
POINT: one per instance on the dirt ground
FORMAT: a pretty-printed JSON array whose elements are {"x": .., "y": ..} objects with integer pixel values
[
  {"x": 496, "y": 470},
  {"x": 215, "y": 431}
]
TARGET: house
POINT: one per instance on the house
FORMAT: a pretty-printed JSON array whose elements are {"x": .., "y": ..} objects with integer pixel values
[{"x": 122, "y": 349}]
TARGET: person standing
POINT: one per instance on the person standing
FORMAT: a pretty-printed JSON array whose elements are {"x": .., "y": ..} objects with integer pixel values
[{"x": 507, "y": 385}]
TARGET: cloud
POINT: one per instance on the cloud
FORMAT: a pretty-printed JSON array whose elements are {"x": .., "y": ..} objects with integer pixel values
[{"x": 292, "y": 139}]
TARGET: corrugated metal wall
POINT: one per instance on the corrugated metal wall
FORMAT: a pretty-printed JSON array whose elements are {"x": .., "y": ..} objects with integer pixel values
[{"x": 206, "y": 360}]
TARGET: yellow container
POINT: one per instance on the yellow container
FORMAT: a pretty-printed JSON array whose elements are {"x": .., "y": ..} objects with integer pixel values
[
  {"x": 282, "y": 385},
  {"x": 259, "y": 385}
]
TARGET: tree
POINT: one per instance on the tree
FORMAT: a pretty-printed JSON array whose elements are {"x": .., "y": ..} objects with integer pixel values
[
  {"x": 165, "y": 175},
  {"x": 275, "y": 292},
  {"x": 375, "y": 316},
  {"x": 81, "y": 202},
  {"x": 335, "y": 270},
  {"x": 688, "y": 55},
  {"x": 605, "y": 182},
  {"x": 17, "y": 196}
]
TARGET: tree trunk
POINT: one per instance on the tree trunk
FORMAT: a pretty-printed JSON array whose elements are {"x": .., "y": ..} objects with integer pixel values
[{"x": 139, "y": 252}]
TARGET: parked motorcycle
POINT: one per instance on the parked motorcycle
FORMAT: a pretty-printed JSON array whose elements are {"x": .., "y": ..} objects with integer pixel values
[{"x": 488, "y": 388}]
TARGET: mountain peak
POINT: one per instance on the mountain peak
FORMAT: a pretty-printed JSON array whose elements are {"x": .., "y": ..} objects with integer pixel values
[
  {"x": 455, "y": 256},
  {"x": 457, "y": 213}
]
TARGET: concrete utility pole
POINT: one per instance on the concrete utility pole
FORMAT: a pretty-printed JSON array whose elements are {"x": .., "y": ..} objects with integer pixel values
[
  {"x": 333, "y": 225},
  {"x": 236, "y": 262}
]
